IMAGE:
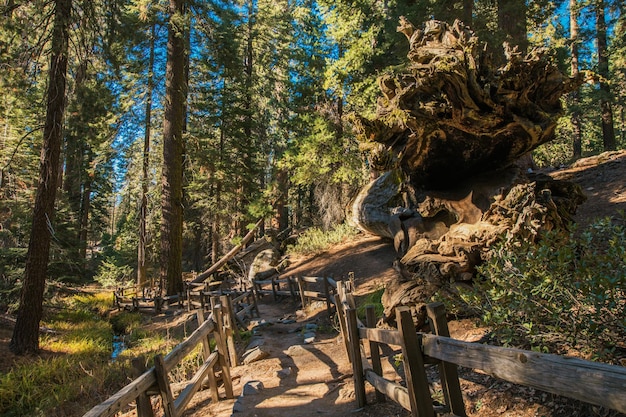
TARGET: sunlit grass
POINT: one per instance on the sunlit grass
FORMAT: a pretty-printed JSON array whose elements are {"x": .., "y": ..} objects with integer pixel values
[
  {"x": 74, "y": 364},
  {"x": 316, "y": 240},
  {"x": 75, "y": 370}
]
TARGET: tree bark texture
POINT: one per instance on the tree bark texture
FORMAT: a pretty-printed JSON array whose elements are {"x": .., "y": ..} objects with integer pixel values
[
  {"x": 450, "y": 132},
  {"x": 26, "y": 332},
  {"x": 172, "y": 179},
  {"x": 608, "y": 131},
  {"x": 576, "y": 121},
  {"x": 142, "y": 276}
]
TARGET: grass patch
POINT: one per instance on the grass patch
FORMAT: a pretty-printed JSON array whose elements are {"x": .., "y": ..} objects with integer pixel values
[
  {"x": 371, "y": 299},
  {"x": 73, "y": 366},
  {"x": 74, "y": 371},
  {"x": 316, "y": 240}
]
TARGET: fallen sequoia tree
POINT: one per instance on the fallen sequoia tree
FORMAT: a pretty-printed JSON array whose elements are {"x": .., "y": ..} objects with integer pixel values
[{"x": 449, "y": 133}]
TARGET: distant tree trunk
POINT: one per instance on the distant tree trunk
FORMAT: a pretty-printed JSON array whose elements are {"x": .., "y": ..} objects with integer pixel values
[
  {"x": 248, "y": 121},
  {"x": 608, "y": 132},
  {"x": 172, "y": 179},
  {"x": 143, "y": 209},
  {"x": 26, "y": 332},
  {"x": 447, "y": 11},
  {"x": 85, "y": 208},
  {"x": 468, "y": 11},
  {"x": 512, "y": 21},
  {"x": 282, "y": 213},
  {"x": 576, "y": 122}
]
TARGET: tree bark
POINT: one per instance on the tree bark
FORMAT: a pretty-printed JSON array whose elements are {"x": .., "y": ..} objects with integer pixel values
[
  {"x": 608, "y": 132},
  {"x": 512, "y": 21},
  {"x": 172, "y": 179},
  {"x": 142, "y": 277},
  {"x": 26, "y": 332},
  {"x": 576, "y": 122}
]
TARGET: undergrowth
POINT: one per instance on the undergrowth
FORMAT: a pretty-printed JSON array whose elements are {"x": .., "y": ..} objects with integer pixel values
[
  {"x": 316, "y": 240},
  {"x": 74, "y": 370},
  {"x": 566, "y": 292}
]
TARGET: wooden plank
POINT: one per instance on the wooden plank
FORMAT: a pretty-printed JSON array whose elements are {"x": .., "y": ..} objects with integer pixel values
[
  {"x": 206, "y": 345},
  {"x": 164, "y": 386},
  {"x": 231, "y": 254},
  {"x": 241, "y": 297},
  {"x": 591, "y": 382},
  {"x": 125, "y": 396},
  {"x": 194, "y": 385},
  {"x": 355, "y": 353},
  {"x": 416, "y": 381},
  {"x": 315, "y": 294},
  {"x": 301, "y": 288},
  {"x": 312, "y": 280},
  {"x": 341, "y": 317},
  {"x": 386, "y": 336},
  {"x": 396, "y": 392},
  {"x": 144, "y": 407},
  {"x": 184, "y": 348},
  {"x": 327, "y": 297},
  {"x": 230, "y": 329},
  {"x": 370, "y": 316},
  {"x": 222, "y": 350},
  {"x": 448, "y": 372}
]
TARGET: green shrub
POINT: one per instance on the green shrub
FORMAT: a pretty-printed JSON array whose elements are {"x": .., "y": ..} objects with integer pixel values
[
  {"x": 110, "y": 274},
  {"x": 316, "y": 240},
  {"x": 568, "y": 291}
]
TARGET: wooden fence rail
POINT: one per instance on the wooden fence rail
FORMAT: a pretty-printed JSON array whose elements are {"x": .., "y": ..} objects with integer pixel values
[
  {"x": 591, "y": 382},
  {"x": 155, "y": 380}
]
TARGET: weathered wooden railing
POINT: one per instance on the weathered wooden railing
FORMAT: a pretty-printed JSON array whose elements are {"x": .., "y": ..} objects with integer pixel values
[
  {"x": 138, "y": 298},
  {"x": 591, "y": 382},
  {"x": 155, "y": 381},
  {"x": 299, "y": 286}
]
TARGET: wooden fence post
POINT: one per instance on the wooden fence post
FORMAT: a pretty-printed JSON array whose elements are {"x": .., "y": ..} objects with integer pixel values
[
  {"x": 230, "y": 328},
  {"x": 357, "y": 363},
  {"x": 302, "y": 288},
  {"x": 416, "y": 381},
  {"x": 292, "y": 288},
  {"x": 341, "y": 317},
  {"x": 448, "y": 372},
  {"x": 327, "y": 295},
  {"x": 370, "y": 316},
  {"x": 164, "y": 386},
  {"x": 222, "y": 350},
  {"x": 206, "y": 351},
  {"x": 144, "y": 407}
]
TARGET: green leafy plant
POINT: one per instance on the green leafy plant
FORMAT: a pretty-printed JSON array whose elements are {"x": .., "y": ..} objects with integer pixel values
[
  {"x": 110, "y": 274},
  {"x": 316, "y": 240},
  {"x": 567, "y": 291}
]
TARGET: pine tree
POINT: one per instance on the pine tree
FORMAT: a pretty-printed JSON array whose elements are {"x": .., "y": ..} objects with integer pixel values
[
  {"x": 26, "y": 332},
  {"x": 173, "y": 125},
  {"x": 608, "y": 132},
  {"x": 574, "y": 38}
]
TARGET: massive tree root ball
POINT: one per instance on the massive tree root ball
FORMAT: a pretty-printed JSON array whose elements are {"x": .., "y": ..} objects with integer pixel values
[{"x": 449, "y": 133}]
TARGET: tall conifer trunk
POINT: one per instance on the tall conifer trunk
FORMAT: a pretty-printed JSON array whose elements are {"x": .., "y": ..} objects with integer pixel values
[
  {"x": 576, "y": 122},
  {"x": 143, "y": 209},
  {"x": 26, "y": 332},
  {"x": 608, "y": 132},
  {"x": 173, "y": 125},
  {"x": 512, "y": 21}
]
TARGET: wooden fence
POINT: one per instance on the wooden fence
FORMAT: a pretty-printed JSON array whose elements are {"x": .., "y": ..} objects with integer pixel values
[
  {"x": 155, "y": 381},
  {"x": 591, "y": 382}
]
